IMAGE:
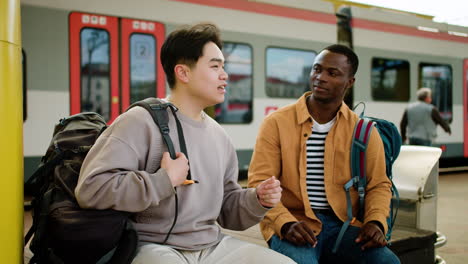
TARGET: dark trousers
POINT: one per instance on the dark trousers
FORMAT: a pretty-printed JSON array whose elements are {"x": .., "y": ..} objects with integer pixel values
[{"x": 420, "y": 142}]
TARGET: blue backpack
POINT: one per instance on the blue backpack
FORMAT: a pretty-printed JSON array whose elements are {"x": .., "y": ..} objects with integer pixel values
[{"x": 392, "y": 143}]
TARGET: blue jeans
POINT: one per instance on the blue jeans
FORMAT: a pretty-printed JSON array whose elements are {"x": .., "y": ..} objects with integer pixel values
[{"x": 348, "y": 251}]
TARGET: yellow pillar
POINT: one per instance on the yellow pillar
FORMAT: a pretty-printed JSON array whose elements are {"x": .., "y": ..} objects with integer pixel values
[{"x": 11, "y": 134}]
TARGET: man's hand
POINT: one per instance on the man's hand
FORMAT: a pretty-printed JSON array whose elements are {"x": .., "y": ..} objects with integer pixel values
[
  {"x": 269, "y": 192},
  {"x": 299, "y": 234},
  {"x": 177, "y": 169},
  {"x": 371, "y": 236}
]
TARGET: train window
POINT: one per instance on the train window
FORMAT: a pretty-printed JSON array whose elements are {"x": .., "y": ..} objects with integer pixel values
[
  {"x": 438, "y": 77},
  {"x": 237, "y": 105},
  {"x": 390, "y": 80},
  {"x": 95, "y": 71},
  {"x": 142, "y": 66},
  {"x": 288, "y": 71}
]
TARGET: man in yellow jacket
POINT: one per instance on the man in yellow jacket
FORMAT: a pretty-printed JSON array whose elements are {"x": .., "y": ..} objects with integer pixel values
[{"x": 307, "y": 146}]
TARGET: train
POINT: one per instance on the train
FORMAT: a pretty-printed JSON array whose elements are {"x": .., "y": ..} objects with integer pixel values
[{"x": 104, "y": 55}]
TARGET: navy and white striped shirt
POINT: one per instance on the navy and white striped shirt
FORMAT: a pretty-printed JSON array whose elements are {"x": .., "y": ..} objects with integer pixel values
[{"x": 315, "y": 153}]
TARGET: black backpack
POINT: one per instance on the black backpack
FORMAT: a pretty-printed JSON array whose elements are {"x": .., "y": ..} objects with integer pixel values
[{"x": 64, "y": 232}]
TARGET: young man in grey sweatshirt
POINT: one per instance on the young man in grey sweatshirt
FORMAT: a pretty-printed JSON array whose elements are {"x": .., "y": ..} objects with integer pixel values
[{"x": 129, "y": 168}]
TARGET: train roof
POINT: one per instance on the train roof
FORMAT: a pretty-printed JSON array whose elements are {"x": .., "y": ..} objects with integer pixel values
[{"x": 296, "y": 19}]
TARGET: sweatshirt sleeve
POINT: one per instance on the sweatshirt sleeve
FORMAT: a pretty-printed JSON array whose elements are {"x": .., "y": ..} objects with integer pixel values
[
  {"x": 241, "y": 208},
  {"x": 118, "y": 172}
]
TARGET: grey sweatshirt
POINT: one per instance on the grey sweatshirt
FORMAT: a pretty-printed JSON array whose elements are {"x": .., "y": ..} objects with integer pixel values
[{"x": 122, "y": 171}]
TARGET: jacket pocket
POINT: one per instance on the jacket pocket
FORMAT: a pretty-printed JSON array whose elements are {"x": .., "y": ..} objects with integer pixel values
[{"x": 341, "y": 167}]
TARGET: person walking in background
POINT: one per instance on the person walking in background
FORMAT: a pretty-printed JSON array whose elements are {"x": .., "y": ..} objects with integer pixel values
[
  {"x": 307, "y": 146},
  {"x": 129, "y": 169},
  {"x": 421, "y": 118}
]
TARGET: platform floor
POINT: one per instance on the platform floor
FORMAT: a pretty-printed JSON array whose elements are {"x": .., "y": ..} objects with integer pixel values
[{"x": 452, "y": 220}]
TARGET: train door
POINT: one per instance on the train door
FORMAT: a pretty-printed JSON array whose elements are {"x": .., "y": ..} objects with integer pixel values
[
  {"x": 465, "y": 108},
  {"x": 113, "y": 63},
  {"x": 94, "y": 58},
  {"x": 141, "y": 72}
]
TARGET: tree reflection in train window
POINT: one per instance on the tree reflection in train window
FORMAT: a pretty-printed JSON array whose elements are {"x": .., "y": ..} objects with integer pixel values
[
  {"x": 288, "y": 72},
  {"x": 142, "y": 67},
  {"x": 95, "y": 71},
  {"x": 438, "y": 77},
  {"x": 390, "y": 80},
  {"x": 237, "y": 105}
]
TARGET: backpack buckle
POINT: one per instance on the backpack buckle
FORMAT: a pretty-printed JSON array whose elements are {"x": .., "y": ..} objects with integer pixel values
[
  {"x": 361, "y": 191},
  {"x": 165, "y": 129}
]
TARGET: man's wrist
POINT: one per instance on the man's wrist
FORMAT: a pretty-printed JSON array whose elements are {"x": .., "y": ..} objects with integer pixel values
[{"x": 377, "y": 223}]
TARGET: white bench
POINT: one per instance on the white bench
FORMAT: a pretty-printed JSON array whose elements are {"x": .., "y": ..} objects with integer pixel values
[{"x": 416, "y": 176}]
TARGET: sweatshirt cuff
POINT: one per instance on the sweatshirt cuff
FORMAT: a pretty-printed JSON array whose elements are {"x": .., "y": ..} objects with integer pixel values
[
  {"x": 162, "y": 184},
  {"x": 254, "y": 205}
]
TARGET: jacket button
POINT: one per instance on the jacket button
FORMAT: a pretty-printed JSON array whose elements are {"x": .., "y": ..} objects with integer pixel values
[{"x": 305, "y": 135}]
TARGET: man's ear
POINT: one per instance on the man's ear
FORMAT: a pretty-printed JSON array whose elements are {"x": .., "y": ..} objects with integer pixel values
[
  {"x": 351, "y": 82},
  {"x": 182, "y": 72},
  {"x": 348, "y": 86}
]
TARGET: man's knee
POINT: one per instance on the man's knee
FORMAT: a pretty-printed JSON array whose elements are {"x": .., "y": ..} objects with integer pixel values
[{"x": 154, "y": 253}]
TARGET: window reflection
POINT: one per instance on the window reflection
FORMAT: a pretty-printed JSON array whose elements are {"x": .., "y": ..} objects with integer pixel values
[
  {"x": 237, "y": 105},
  {"x": 288, "y": 72},
  {"x": 438, "y": 77},
  {"x": 95, "y": 71},
  {"x": 142, "y": 67},
  {"x": 390, "y": 79}
]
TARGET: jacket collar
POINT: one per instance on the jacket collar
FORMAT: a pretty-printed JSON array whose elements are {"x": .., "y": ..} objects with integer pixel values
[{"x": 303, "y": 114}]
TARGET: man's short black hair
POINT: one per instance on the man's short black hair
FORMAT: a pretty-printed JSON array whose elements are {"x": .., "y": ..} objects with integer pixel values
[
  {"x": 349, "y": 53},
  {"x": 185, "y": 46}
]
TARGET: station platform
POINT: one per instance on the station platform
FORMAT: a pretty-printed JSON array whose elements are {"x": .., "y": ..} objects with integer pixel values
[{"x": 452, "y": 217}]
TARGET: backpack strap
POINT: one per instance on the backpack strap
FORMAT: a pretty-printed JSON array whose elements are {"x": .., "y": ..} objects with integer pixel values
[
  {"x": 47, "y": 166},
  {"x": 158, "y": 112},
  {"x": 180, "y": 132},
  {"x": 39, "y": 175},
  {"x": 394, "y": 205},
  {"x": 157, "y": 108},
  {"x": 360, "y": 140}
]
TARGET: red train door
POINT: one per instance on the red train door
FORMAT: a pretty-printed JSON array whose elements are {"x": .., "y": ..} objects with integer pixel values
[
  {"x": 465, "y": 107},
  {"x": 94, "y": 60},
  {"x": 142, "y": 74},
  {"x": 105, "y": 77}
]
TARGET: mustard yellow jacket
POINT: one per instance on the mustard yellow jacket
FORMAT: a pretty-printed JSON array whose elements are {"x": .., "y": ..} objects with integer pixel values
[{"x": 280, "y": 150}]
